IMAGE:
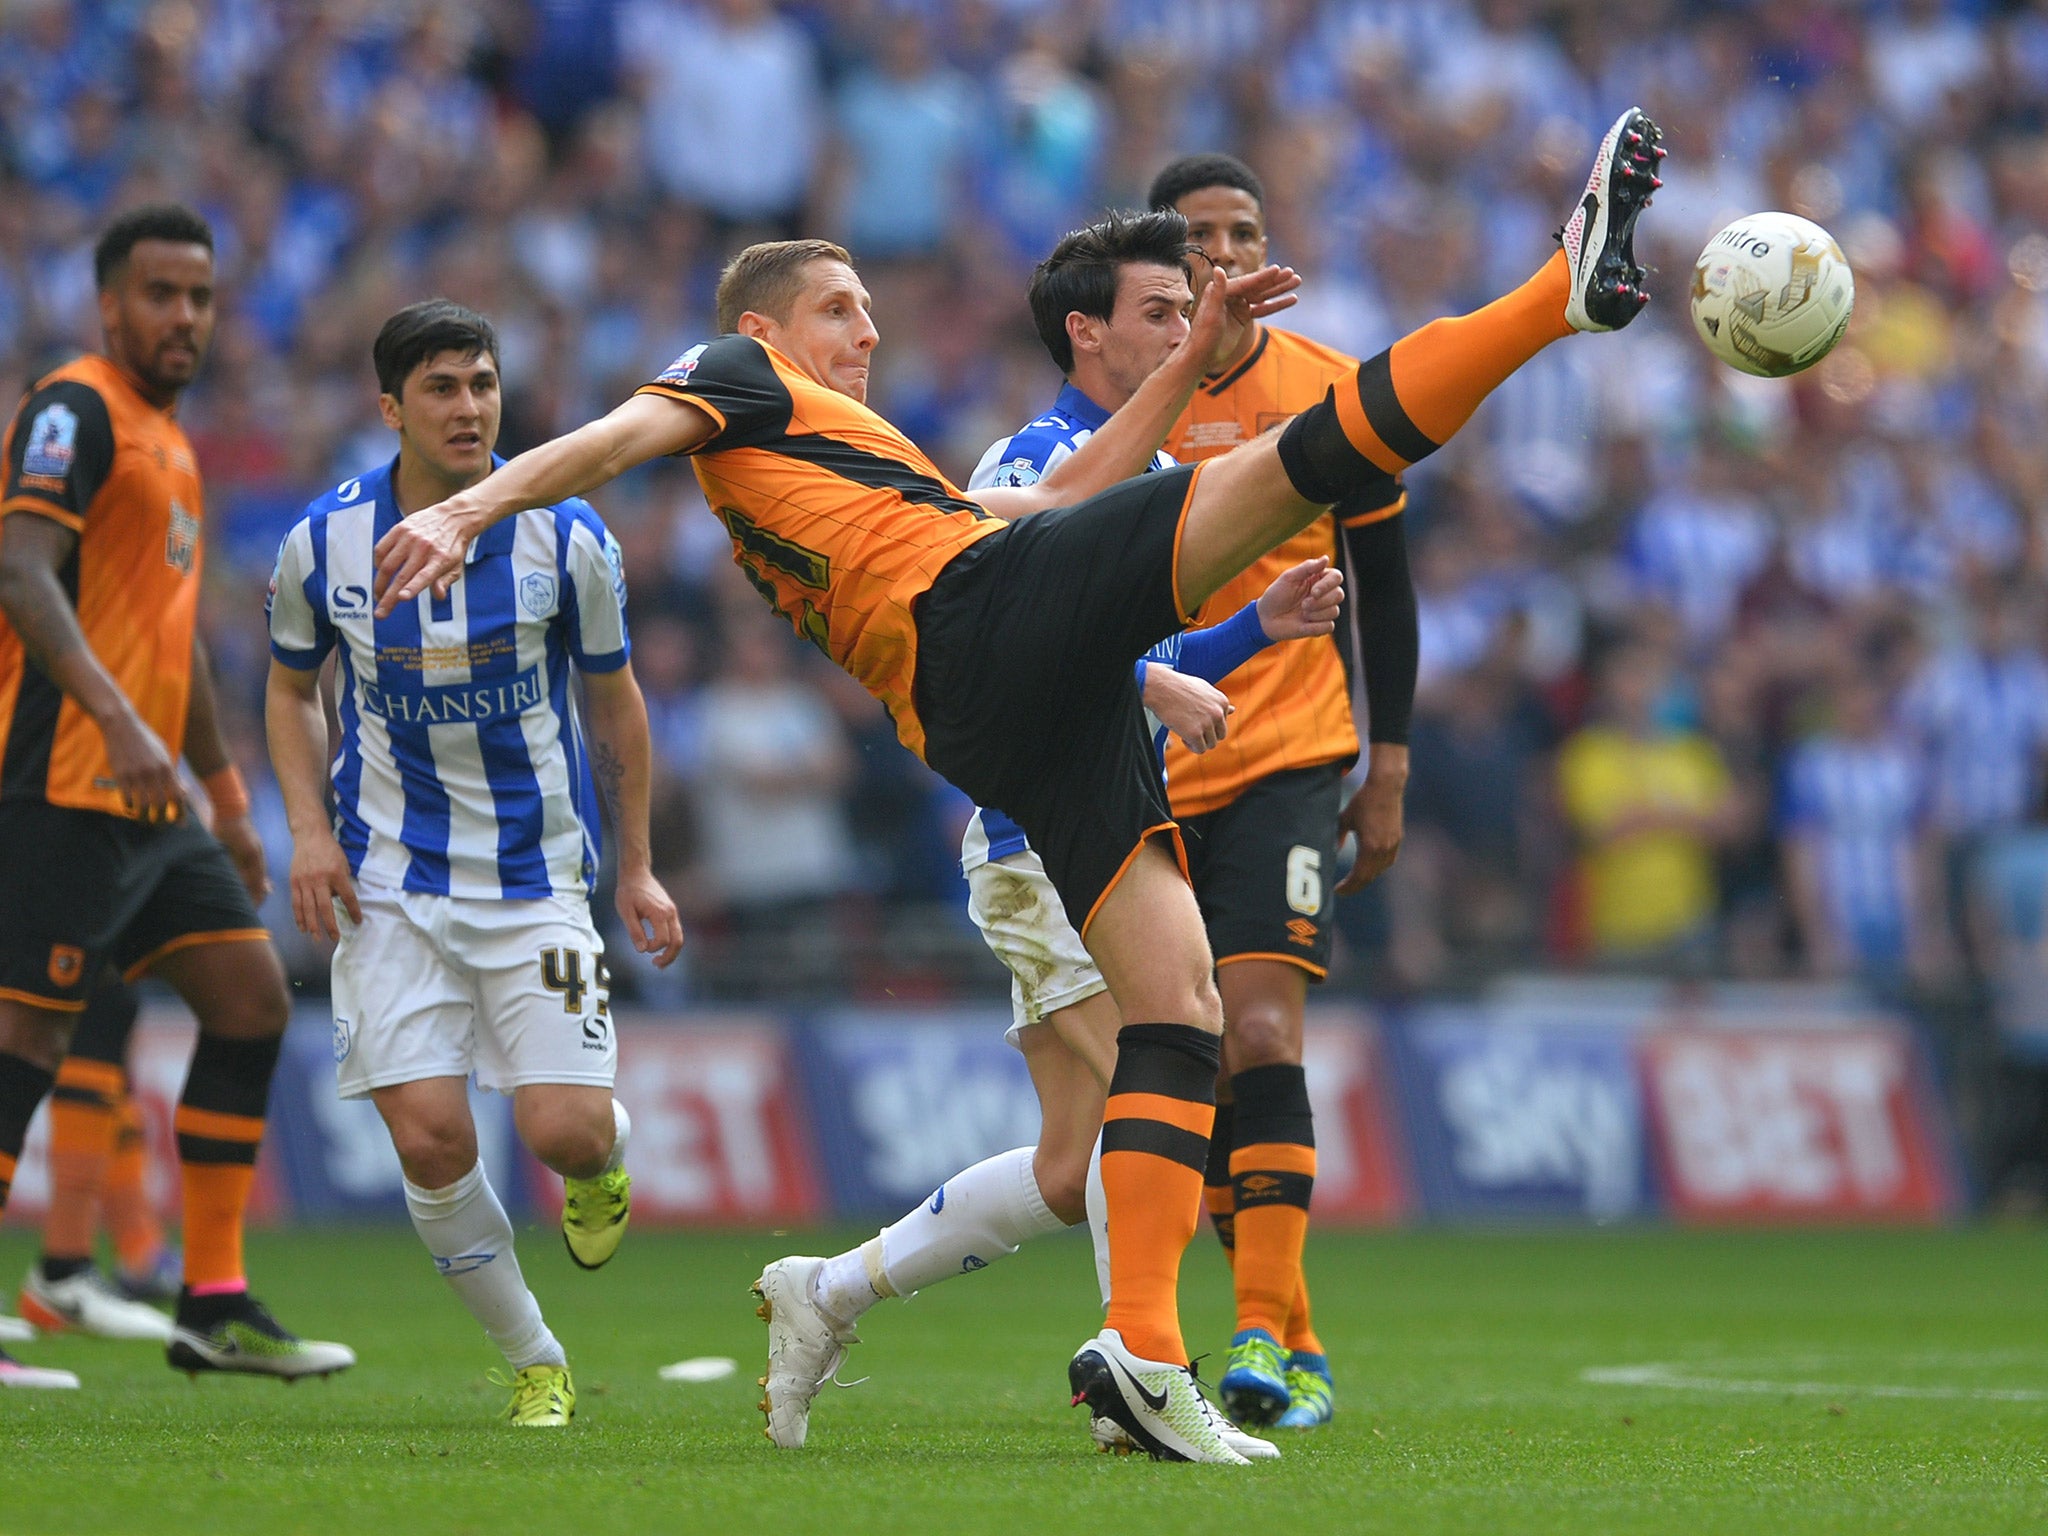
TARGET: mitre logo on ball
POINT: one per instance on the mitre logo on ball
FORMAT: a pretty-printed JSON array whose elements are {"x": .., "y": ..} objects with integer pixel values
[{"x": 1772, "y": 294}]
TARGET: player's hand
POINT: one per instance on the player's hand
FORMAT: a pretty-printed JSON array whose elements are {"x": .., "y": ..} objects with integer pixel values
[
  {"x": 1374, "y": 817},
  {"x": 143, "y": 769},
  {"x": 1212, "y": 334},
  {"x": 1303, "y": 600},
  {"x": 1215, "y": 336},
  {"x": 425, "y": 549},
  {"x": 238, "y": 835},
  {"x": 1193, "y": 710},
  {"x": 319, "y": 879},
  {"x": 1264, "y": 292},
  {"x": 649, "y": 915}
]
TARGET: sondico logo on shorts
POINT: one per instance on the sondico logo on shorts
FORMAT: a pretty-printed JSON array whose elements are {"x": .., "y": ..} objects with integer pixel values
[{"x": 561, "y": 972}]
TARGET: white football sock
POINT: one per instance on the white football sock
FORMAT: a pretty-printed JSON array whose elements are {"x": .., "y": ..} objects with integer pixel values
[
  {"x": 848, "y": 1283},
  {"x": 1098, "y": 1220},
  {"x": 973, "y": 1219},
  {"x": 622, "y": 1132},
  {"x": 470, "y": 1237}
]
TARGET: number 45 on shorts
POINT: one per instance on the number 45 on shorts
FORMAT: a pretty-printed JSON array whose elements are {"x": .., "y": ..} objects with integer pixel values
[{"x": 562, "y": 972}]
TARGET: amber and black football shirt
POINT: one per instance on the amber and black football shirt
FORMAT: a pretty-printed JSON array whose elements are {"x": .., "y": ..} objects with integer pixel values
[
  {"x": 87, "y": 450},
  {"x": 1293, "y": 701},
  {"x": 835, "y": 516}
]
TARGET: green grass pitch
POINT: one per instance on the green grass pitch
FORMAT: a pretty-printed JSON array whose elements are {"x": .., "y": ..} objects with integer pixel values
[{"x": 1845, "y": 1381}]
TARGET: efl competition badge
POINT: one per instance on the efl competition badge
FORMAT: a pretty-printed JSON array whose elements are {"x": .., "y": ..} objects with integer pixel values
[
  {"x": 52, "y": 443},
  {"x": 616, "y": 557},
  {"x": 678, "y": 372}
]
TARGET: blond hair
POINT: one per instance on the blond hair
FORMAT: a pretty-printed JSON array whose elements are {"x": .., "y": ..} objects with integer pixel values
[{"x": 765, "y": 279}]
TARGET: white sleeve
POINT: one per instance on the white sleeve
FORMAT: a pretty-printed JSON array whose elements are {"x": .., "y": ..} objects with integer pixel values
[
  {"x": 300, "y": 635},
  {"x": 597, "y": 573}
]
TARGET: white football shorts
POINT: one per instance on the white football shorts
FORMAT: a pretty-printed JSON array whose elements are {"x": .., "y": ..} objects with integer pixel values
[
  {"x": 442, "y": 986},
  {"x": 1013, "y": 903}
]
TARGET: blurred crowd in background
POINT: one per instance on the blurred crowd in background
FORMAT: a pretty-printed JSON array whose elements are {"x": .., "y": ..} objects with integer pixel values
[{"x": 1720, "y": 677}]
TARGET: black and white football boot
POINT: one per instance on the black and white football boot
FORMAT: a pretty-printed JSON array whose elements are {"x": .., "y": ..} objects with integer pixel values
[
  {"x": 1158, "y": 1405},
  {"x": 1599, "y": 238}
]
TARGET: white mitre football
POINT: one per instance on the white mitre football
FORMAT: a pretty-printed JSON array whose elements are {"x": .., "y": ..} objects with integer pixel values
[{"x": 1772, "y": 294}]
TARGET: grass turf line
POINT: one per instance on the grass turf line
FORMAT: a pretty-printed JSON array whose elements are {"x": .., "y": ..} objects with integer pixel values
[{"x": 1461, "y": 1404}]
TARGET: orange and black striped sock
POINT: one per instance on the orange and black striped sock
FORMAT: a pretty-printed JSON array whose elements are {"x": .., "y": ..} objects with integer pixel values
[
  {"x": 1155, "y": 1143},
  {"x": 22, "y": 1086},
  {"x": 1407, "y": 402},
  {"x": 126, "y": 1209},
  {"x": 1272, "y": 1173},
  {"x": 220, "y": 1126},
  {"x": 84, "y": 1121},
  {"x": 1216, "y": 1193}
]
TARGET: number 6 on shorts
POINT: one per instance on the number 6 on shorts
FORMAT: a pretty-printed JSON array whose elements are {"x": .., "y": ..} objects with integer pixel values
[{"x": 1304, "y": 880}]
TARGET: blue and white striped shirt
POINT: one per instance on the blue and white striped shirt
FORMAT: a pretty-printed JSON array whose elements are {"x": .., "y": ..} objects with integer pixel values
[
  {"x": 1982, "y": 722},
  {"x": 1696, "y": 550},
  {"x": 1027, "y": 458},
  {"x": 461, "y": 769},
  {"x": 1862, "y": 805}
]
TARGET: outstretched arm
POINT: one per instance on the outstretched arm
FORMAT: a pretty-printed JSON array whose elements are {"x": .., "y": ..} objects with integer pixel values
[
  {"x": 34, "y": 551},
  {"x": 621, "y": 757},
  {"x": 427, "y": 547},
  {"x": 1124, "y": 445}
]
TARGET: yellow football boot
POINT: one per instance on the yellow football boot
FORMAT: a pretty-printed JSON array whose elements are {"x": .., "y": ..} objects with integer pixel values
[{"x": 543, "y": 1397}]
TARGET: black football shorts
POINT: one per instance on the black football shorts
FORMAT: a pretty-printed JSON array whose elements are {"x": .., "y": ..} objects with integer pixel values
[
  {"x": 81, "y": 890},
  {"x": 1026, "y": 683},
  {"x": 1264, "y": 867}
]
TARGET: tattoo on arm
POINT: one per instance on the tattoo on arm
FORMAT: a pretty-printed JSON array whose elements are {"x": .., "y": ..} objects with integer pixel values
[{"x": 611, "y": 776}]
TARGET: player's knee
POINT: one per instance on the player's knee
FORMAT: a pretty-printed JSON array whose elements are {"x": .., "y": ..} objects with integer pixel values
[
  {"x": 1264, "y": 1035},
  {"x": 1202, "y": 1006},
  {"x": 574, "y": 1142},
  {"x": 1186, "y": 995},
  {"x": 270, "y": 1010},
  {"x": 1063, "y": 1182},
  {"x": 255, "y": 1012},
  {"x": 434, "y": 1155},
  {"x": 37, "y": 1035}
]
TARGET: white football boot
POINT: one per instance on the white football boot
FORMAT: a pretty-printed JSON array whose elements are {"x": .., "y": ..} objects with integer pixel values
[
  {"x": 14, "y": 1374},
  {"x": 1158, "y": 1406},
  {"x": 1599, "y": 237},
  {"x": 1112, "y": 1436},
  {"x": 805, "y": 1347},
  {"x": 16, "y": 1330},
  {"x": 87, "y": 1303}
]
